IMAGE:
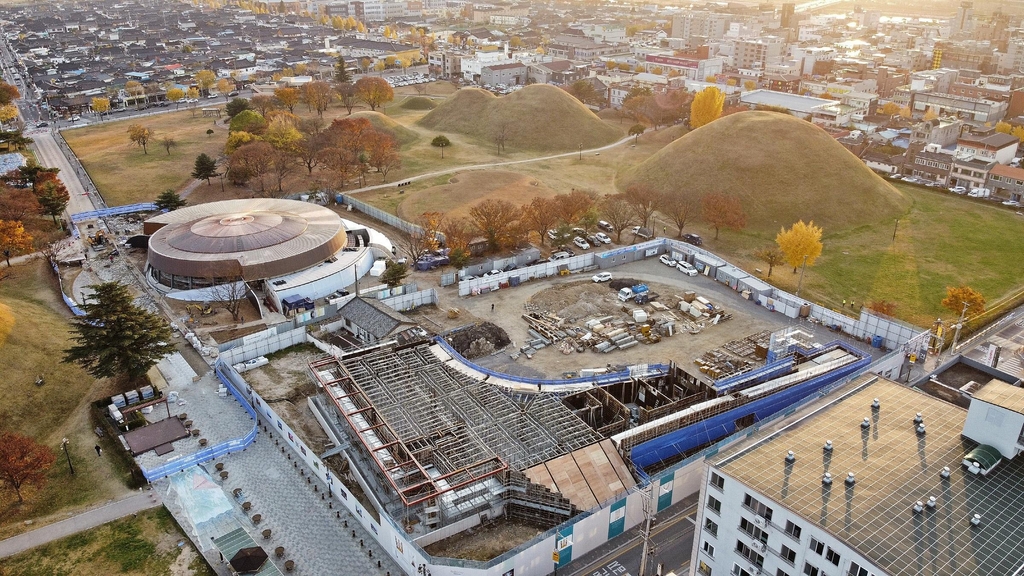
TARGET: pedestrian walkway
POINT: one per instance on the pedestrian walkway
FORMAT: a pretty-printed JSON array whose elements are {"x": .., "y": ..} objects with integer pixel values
[{"x": 79, "y": 523}]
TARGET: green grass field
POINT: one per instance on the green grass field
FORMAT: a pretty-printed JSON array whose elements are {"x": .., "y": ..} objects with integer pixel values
[
  {"x": 148, "y": 544},
  {"x": 941, "y": 240},
  {"x": 124, "y": 175},
  {"x": 33, "y": 334}
]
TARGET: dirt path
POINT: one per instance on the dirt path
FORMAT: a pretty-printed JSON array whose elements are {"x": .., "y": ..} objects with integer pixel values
[{"x": 625, "y": 140}]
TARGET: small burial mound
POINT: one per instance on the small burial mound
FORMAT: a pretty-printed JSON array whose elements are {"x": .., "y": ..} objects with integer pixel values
[
  {"x": 382, "y": 122},
  {"x": 418, "y": 103}
]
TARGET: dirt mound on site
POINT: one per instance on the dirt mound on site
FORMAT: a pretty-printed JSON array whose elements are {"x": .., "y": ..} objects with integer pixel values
[{"x": 478, "y": 340}]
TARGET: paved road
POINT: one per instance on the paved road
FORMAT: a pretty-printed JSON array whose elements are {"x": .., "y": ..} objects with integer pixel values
[
  {"x": 672, "y": 539},
  {"x": 49, "y": 154},
  {"x": 79, "y": 523}
]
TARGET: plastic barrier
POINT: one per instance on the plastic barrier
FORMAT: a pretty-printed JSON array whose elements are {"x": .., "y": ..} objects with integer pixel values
[
  {"x": 212, "y": 452},
  {"x": 116, "y": 211}
]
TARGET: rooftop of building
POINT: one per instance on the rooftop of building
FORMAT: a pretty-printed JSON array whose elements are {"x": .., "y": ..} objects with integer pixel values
[
  {"x": 1002, "y": 394},
  {"x": 794, "y": 102},
  {"x": 894, "y": 467}
]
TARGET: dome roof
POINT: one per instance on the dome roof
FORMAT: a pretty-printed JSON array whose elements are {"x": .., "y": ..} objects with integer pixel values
[{"x": 255, "y": 238}]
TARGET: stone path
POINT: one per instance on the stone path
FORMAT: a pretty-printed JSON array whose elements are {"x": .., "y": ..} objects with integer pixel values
[{"x": 78, "y": 523}]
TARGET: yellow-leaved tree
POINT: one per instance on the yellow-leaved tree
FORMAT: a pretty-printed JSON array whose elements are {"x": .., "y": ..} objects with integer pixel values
[
  {"x": 1004, "y": 127},
  {"x": 799, "y": 241},
  {"x": 100, "y": 105},
  {"x": 706, "y": 107},
  {"x": 205, "y": 79},
  {"x": 890, "y": 109}
]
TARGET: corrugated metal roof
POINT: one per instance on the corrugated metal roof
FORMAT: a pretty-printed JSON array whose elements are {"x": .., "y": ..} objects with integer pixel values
[{"x": 254, "y": 238}]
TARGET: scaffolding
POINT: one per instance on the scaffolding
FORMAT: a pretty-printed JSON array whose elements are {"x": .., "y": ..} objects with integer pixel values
[{"x": 440, "y": 437}]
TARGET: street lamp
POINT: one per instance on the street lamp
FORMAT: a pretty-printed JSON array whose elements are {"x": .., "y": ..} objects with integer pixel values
[{"x": 64, "y": 445}]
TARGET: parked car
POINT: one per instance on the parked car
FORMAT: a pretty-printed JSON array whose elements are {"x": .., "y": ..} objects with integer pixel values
[
  {"x": 694, "y": 239},
  {"x": 602, "y": 277},
  {"x": 667, "y": 260},
  {"x": 603, "y": 225},
  {"x": 42, "y": 125},
  {"x": 1011, "y": 203},
  {"x": 560, "y": 256},
  {"x": 492, "y": 273},
  {"x": 958, "y": 190},
  {"x": 233, "y": 93},
  {"x": 603, "y": 238},
  {"x": 686, "y": 268},
  {"x": 552, "y": 234},
  {"x": 581, "y": 243}
]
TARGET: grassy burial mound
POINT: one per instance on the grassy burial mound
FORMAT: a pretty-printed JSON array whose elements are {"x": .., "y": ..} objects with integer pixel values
[
  {"x": 418, "y": 103},
  {"x": 382, "y": 122},
  {"x": 783, "y": 169},
  {"x": 538, "y": 118}
]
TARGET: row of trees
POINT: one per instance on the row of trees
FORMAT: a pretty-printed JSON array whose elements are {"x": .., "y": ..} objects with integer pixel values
[
  {"x": 26, "y": 192},
  {"x": 504, "y": 225}
]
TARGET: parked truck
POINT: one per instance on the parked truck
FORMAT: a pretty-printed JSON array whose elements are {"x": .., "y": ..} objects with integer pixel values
[{"x": 634, "y": 292}]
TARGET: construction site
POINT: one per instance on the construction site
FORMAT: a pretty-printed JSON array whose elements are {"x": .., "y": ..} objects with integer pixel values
[{"x": 445, "y": 449}]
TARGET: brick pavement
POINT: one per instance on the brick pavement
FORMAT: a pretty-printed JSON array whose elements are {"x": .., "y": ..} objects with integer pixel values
[{"x": 311, "y": 533}]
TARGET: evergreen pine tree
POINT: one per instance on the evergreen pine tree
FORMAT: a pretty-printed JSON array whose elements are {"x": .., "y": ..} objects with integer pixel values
[{"x": 205, "y": 168}]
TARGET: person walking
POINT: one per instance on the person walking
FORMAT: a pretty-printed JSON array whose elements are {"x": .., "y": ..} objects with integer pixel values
[
  {"x": 99, "y": 451},
  {"x": 492, "y": 306}
]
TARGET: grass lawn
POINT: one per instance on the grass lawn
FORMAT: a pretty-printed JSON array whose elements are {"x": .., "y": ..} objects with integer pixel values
[
  {"x": 148, "y": 544},
  {"x": 33, "y": 334},
  {"x": 942, "y": 240},
  {"x": 124, "y": 175}
]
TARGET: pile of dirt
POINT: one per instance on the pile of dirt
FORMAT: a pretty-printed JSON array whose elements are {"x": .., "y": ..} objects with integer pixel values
[
  {"x": 478, "y": 340},
  {"x": 620, "y": 283}
]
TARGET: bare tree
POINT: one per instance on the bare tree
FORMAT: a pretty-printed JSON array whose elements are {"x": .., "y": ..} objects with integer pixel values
[
  {"x": 501, "y": 134},
  {"x": 678, "y": 208},
  {"x": 643, "y": 199},
  {"x": 231, "y": 295},
  {"x": 618, "y": 213}
]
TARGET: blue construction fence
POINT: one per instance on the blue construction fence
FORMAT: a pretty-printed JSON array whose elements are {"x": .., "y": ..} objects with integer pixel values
[
  {"x": 721, "y": 425},
  {"x": 115, "y": 211},
  {"x": 653, "y": 370},
  {"x": 222, "y": 449},
  {"x": 67, "y": 300}
]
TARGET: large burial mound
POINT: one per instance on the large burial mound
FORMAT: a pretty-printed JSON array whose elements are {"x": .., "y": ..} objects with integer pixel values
[
  {"x": 782, "y": 168},
  {"x": 418, "y": 103},
  {"x": 382, "y": 122},
  {"x": 538, "y": 117}
]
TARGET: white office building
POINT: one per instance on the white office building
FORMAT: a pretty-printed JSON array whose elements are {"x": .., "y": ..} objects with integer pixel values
[{"x": 847, "y": 487}]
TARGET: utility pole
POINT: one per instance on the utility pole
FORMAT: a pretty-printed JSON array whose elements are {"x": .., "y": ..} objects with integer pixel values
[
  {"x": 64, "y": 445},
  {"x": 645, "y": 535},
  {"x": 959, "y": 325},
  {"x": 801, "y": 282}
]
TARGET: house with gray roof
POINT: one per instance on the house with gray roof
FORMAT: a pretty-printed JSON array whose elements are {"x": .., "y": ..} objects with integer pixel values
[{"x": 371, "y": 320}]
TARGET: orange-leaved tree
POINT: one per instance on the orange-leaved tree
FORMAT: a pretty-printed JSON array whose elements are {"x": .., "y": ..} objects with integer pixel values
[
  {"x": 722, "y": 211},
  {"x": 957, "y": 296}
]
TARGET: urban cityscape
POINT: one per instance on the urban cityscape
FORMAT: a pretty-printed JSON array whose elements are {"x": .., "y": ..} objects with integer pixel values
[{"x": 511, "y": 288}]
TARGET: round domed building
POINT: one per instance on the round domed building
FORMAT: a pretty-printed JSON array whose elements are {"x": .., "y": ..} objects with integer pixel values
[{"x": 285, "y": 247}]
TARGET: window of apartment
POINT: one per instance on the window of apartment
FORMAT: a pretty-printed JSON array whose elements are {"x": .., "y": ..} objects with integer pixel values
[
  {"x": 810, "y": 570},
  {"x": 793, "y": 530},
  {"x": 710, "y": 526},
  {"x": 832, "y": 556},
  {"x": 817, "y": 547},
  {"x": 708, "y": 548},
  {"x": 788, "y": 554},
  {"x": 857, "y": 570},
  {"x": 737, "y": 571},
  {"x": 781, "y": 572},
  {"x": 717, "y": 481},
  {"x": 758, "y": 508},
  {"x": 749, "y": 553},
  {"x": 753, "y": 530},
  {"x": 703, "y": 569},
  {"x": 714, "y": 504}
]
